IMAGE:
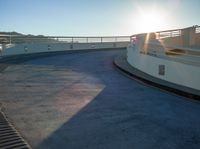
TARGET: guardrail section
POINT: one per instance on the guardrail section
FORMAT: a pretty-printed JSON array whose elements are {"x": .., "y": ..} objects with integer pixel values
[{"x": 16, "y": 39}]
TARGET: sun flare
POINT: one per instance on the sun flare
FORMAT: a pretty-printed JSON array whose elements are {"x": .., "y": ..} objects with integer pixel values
[{"x": 150, "y": 21}]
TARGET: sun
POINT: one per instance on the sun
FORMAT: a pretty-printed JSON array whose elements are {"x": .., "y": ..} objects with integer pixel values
[{"x": 150, "y": 21}]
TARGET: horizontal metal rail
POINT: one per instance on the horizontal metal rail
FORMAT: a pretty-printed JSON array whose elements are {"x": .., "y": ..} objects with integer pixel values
[
  {"x": 166, "y": 34},
  {"x": 16, "y": 39},
  {"x": 170, "y": 33},
  {"x": 198, "y": 29}
]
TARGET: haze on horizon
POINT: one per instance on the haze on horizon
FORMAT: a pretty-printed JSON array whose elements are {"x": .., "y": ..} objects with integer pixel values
[{"x": 96, "y": 18}]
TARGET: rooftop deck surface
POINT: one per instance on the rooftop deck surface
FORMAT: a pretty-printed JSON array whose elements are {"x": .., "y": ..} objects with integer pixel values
[{"x": 79, "y": 100}]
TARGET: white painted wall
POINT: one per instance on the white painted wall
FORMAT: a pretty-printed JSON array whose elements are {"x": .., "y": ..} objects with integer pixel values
[
  {"x": 52, "y": 47},
  {"x": 175, "y": 72}
]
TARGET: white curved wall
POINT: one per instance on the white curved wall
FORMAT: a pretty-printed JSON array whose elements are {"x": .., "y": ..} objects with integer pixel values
[
  {"x": 175, "y": 72},
  {"x": 53, "y": 47}
]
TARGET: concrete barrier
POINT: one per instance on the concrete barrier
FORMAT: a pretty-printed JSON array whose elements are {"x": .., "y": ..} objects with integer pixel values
[
  {"x": 20, "y": 49},
  {"x": 175, "y": 72}
]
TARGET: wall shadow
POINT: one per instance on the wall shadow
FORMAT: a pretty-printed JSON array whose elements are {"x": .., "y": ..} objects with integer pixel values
[{"x": 125, "y": 114}]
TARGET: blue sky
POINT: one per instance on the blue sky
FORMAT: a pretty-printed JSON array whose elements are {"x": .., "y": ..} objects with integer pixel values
[{"x": 94, "y": 17}]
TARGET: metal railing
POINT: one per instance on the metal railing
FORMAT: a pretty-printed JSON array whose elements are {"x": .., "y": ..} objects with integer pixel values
[
  {"x": 190, "y": 54},
  {"x": 174, "y": 33},
  {"x": 197, "y": 29},
  {"x": 16, "y": 39},
  {"x": 171, "y": 33}
]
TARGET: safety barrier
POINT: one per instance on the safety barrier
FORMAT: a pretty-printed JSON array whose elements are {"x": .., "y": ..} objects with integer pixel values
[
  {"x": 16, "y": 39},
  {"x": 17, "y": 45}
]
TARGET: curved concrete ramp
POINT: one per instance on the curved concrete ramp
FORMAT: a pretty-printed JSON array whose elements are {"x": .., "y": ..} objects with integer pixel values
[{"x": 80, "y": 101}]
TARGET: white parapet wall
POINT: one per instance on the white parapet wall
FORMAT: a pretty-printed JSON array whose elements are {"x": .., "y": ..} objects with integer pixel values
[
  {"x": 18, "y": 49},
  {"x": 175, "y": 72}
]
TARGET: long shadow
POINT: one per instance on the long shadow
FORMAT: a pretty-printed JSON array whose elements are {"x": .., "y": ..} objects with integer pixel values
[
  {"x": 127, "y": 115},
  {"x": 124, "y": 114},
  {"x": 121, "y": 118}
]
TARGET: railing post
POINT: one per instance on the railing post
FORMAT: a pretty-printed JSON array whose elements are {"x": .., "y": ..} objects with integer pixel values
[
  {"x": 101, "y": 39},
  {"x": 115, "y": 39},
  {"x": 159, "y": 35},
  {"x": 1, "y": 48},
  {"x": 10, "y": 38}
]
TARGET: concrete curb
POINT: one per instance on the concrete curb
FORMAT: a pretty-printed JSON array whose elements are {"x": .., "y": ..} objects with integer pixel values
[{"x": 121, "y": 63}]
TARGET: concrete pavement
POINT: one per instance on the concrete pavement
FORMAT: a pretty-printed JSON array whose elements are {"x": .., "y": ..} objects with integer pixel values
[{"x": 79, "y": 100}]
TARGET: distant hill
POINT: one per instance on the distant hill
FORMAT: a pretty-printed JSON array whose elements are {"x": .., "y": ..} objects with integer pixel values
[
  {"x": 11, "y": 33},
  {"x": 15, "y": 37},
  {"x": 5, "y": 36},
  {"x": 18, "y": 34}
]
